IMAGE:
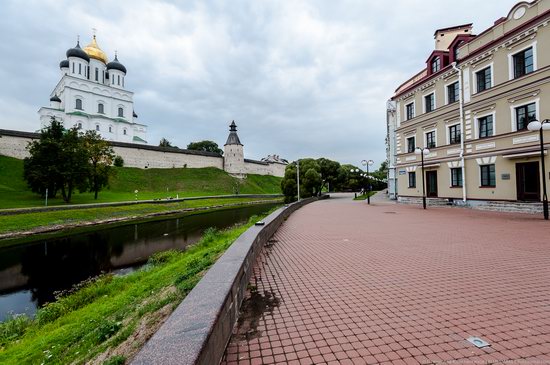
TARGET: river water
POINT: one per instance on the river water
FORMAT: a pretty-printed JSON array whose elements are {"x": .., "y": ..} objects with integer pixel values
[{"x": 31, "y": 273}]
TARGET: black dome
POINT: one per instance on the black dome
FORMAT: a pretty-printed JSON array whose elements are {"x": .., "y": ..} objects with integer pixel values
[
  {"x": 55, "y": 98},
  {"x": 78, "y": 52},
  {"x": 115, "y": 65},
  {"x": 64, "y": 63}
]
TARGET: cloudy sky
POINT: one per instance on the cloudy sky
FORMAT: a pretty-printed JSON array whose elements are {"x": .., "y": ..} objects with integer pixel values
[{"x": 300, "y": 78}]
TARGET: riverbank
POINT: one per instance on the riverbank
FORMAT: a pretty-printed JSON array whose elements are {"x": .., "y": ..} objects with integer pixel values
[
  {"x": 108, "y": 319},
  {"x": 27, "y": 224},
  {"x": 149, "y": 183}
]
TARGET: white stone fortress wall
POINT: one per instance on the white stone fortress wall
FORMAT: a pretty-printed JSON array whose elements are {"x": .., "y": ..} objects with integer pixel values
[{"x": 14, "y": 144}]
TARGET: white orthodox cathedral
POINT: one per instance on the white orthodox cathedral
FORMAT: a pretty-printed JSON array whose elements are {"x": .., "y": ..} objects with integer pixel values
[{"x": 92, "y": 96}]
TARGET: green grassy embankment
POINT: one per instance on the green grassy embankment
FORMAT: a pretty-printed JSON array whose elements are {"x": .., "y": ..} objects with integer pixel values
[
  {"x": 44, "y": 221},
  {"x": 150, "y": 183},
  {"x": 108, "y": 319}
]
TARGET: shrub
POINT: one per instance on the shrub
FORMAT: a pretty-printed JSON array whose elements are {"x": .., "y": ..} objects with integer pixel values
[
  {"x": 13, "y": 328},
  {"x": 118, "y": 161},
  {"x": 115, "y": 360}
]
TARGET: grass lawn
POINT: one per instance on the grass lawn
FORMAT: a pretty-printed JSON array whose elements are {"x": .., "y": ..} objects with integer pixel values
[
  {"x": 151, "y": 184},
  {"x": 108, "y": 319},
  {"x": 28, "y": 221},
  {"x": 365, "y": 196}
]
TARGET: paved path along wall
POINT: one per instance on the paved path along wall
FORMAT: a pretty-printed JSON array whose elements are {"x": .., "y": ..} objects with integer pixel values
[
  {"x": 349, "y": 283},
  {"x": 198, "y": 330}
]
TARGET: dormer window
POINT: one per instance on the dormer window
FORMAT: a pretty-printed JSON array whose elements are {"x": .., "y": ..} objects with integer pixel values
[{"x": 436, "y": 64}]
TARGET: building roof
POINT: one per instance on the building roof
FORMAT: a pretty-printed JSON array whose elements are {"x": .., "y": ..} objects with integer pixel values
[
  {"x": 95, "y": 52},
  {"x": 233, "y": 138},
  {"x": 116, "y": 65},
  {"x": 78, "y": 52},
  {"x": 453, "y": 28}
]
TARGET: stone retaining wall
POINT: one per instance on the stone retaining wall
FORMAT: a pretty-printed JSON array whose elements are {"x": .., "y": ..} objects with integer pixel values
[{"x": 198, "y": 330}]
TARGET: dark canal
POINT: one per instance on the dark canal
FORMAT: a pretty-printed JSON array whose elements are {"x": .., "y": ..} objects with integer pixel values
[{"x": 31, "y": 273}]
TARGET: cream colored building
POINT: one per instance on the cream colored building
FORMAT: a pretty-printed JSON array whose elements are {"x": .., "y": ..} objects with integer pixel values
[{"x": 470, "y": 107}]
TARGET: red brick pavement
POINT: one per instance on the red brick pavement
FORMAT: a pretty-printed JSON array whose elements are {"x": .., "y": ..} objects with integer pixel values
[{"x": 393, "y": 284}]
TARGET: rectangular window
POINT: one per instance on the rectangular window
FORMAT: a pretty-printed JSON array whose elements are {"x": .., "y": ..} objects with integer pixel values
[
  {"x": 456, "y": 177},
  {"x": 429, "y": 101},
  {"x": 410, "y": 110},
  {"x": 412, "y": 179},
  {"x": 488, "y": 175},
  {"x": 97, "y": 127},
  {"x": 454, "y": 134},
  {"x": 483, "y": 79},
  {"x": 80, "y": 69},
  {"x": 118, "y": 79},
  {"x": 523, "y": 62},
  {"x": 73, "y": 66},
  {"x": 524, "y": 115},
  {"x": 436, "y": 64},
  {"x": 430, "y": 139},
  {"x": 411, "y": 144},
  {"x": 452, "y": 92},
  {"x": 485, "y": 126},
  {"x": 96, "y": 74}
]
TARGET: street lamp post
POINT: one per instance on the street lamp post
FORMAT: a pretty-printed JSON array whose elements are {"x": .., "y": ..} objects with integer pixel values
[
  {"x": 298, "y": 177},
  {"x": 423, "y": 151},
  {"x": 541, "y": 127},
  {"x": 367, "y": 164}
]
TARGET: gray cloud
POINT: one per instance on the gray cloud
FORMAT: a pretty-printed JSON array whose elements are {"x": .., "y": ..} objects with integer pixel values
[{"x": 301, "y": 78}]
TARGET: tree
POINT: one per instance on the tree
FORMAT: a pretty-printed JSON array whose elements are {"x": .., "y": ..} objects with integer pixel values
[
  {"x": 41, "y": 170},
  {"x": 166, "y": 143},
  {"x": 118, "y": 161},
  {"x": 207, "y": 146},
  {"x": 312, "y": 182},
  {"x": 329, "y": 171},
  {"x": 100, "y": 158},
  {"x": 73, "y": 163}
]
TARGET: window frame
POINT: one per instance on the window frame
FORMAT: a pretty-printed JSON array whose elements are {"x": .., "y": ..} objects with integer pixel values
[
  {"x": 78, "y": 101},
  {"x": 97, "y": 127},
  {"x": 101, "y": 108},
  {"x": 412, "y": 103},
  {"x": 478, "y": 125},
  {"x": 449, "y": 134},
  {"x": 486, "y": 183},
  {"x": 434, "y": 131},
  {"x": 120, "y": 113},
  {"x": 424, "y": 97},
  {"x": 456, "y": 95},
  {"x": 407, "y": 142},
  {"x": 456, "y": 183},
  {"x": 515, "y": 109},
  {"x": 435, "y": 65},
  {"x": 413, "y": 180},
  {"x": 511, "y": 64},
  {"x": 476, "y": 78}
]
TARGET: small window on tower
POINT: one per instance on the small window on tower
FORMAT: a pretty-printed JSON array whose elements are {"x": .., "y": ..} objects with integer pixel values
[
  {"x": 118, "y": 79},
  {"x": 100, "y": 108},
  {"x": 80, "y": 69},
  {"x": 78, "y": 104},
  {"x": 97, "y": 127},
  {"x": 124, "y": 132},
  {"x": 96, "y": 74},
  {"x": 121, "y": 112},
  {"x": 79, "y": 125},
  {"x": 110, "y": 129}
]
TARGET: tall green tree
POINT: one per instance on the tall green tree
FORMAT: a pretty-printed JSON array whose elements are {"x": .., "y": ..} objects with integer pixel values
[
  {"x": 73, "y": 164},
  {"x": 329, "y": 171},
  {"x": 207, "y": 146},
  {"x": 100, "y": 160},
  {"x": 42, "y": 170}
]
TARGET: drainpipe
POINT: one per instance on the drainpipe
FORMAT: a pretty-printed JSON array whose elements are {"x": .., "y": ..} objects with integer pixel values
[{"x": 461, "y": 108}]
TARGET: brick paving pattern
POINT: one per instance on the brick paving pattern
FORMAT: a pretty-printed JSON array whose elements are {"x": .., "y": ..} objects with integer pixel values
[{"x": 346, "y": 283}]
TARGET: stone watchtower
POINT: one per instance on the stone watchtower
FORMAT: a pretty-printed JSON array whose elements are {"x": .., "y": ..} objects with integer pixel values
[{"x": 233, "y": 159}]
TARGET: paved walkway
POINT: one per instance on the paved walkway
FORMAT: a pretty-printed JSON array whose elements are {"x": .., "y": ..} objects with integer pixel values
[{"x": 347, "y": 283}]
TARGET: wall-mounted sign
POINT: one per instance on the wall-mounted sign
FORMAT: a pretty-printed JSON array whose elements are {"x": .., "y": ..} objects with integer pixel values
[
  {"x": 402, "y": 172},
  {"x": 505, "y": 176}
]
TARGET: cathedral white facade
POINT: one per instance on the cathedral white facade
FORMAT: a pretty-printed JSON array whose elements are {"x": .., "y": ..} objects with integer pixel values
[{"x": 92, "y": 96}]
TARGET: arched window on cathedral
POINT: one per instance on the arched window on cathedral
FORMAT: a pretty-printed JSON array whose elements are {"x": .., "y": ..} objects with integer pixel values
[
  {"x": 97, "y": 127},
  {"x": 110, "y": 129},
  {"x": 124, "y": 131},
  {"x": 79, "y": 125},
  {"x": 100, "y": 108},
  {"x": 78, "y": 104},
  {"x": 121, "y": 112}
]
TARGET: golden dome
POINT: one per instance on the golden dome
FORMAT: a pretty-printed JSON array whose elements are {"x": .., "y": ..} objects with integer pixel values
[{"x": 94, "y": 51}]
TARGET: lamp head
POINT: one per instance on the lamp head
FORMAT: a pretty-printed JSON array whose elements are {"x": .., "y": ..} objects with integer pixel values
[
  {"x": 535, "y": 125},
  {"x": 370, "y": 162}
]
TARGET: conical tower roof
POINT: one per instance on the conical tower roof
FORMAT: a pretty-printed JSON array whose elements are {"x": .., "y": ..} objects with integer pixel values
[{"x": 233, "y": 138}]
